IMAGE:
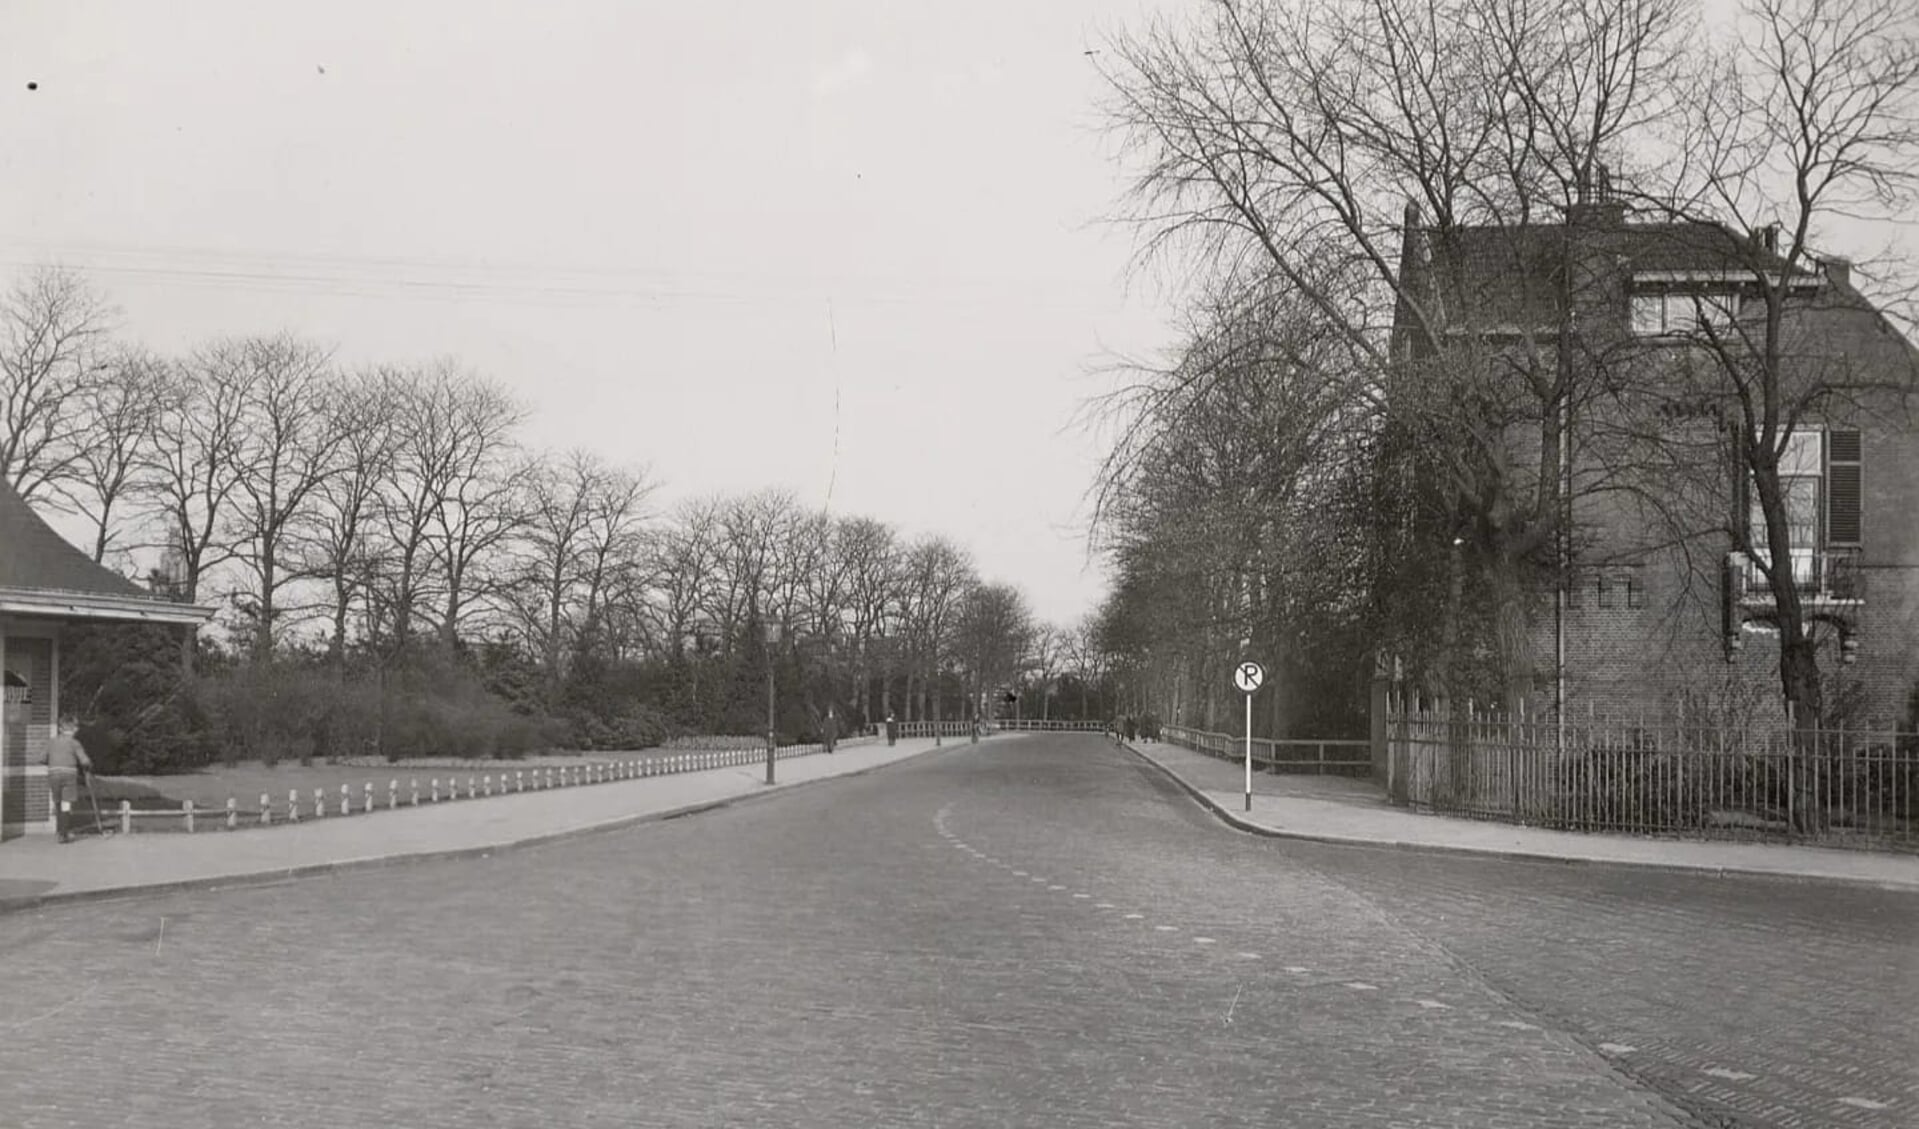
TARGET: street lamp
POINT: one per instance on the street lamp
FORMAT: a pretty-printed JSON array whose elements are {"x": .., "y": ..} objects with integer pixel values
[{"x": 772, "y": 724}]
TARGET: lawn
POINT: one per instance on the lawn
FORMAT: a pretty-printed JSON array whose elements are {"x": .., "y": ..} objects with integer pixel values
[{"x": 245, "y": 781}]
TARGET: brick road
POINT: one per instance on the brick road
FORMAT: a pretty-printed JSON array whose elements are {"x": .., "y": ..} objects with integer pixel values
[{"x": 1030, "y": 933}]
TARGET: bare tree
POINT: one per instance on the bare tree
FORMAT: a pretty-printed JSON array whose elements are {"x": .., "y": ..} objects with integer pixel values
[
  {"x": 1046, "y": 659},
  {"x": 477, "y": 510},
  {"x": 871, "y": 556},
  {"x": 992, "y": 634},
  {"x": 449, "y": 501},
  {"x": 578, "y": 533},
  {"x": 53, "y": 329},
  {"x": 337, "y": 546},
  {"x": 753, "y": 532},
  {"x": 120, "y": 406},
  {"x": 686, "y": 562},
  {"x": 196, "y": 458},
  {"x": 1810, "y": 118},
  {"x": 937, "y": 577},
  {"x": 289, "y": 447}
]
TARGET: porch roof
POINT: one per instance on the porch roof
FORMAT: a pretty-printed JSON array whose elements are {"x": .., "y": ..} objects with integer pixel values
[{"x": 43, "y": 576}]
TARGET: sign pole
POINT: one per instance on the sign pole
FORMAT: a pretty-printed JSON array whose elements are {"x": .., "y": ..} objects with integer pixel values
[
  {"x": 1247, "y": 676},
  {"x": 1249, "y": 752}
]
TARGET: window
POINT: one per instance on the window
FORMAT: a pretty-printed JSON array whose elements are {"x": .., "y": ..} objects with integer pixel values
[
  {"x": 1820, "y": 479},
  {"x": 1668, "y": 313},
  {"x": 1799, "y": 480}
]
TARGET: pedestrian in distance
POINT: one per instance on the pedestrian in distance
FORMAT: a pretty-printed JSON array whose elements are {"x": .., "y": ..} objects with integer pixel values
[{"x": 67, "y": 768}]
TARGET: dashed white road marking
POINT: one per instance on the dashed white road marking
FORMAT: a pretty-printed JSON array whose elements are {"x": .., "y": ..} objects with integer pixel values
[
  {"x": 1038, "y": 879},
  {"x": 1020, "y": 873},
  {"x": 1729, "y": 1075},
  {"x": 1056, "y": 887},
  {"x": 1519, "y": 1025},
  {"x": 1297, "y": 968},
  {"x": 1202, "y": 940},
  {"x": 1247, "y": 956},
  {"x": 1362, "y": 986},
  {"x": 1618, "y": 1048},
  {"x": 1082, "y": 895},
  {"x": 1862, "y": 1103},
  {"x": 1434, "y": 1005},
  {"x": 1135, "y": 916},
  {"x": 1167, "y": 928},
  {"x": 1102, "y": 905}
]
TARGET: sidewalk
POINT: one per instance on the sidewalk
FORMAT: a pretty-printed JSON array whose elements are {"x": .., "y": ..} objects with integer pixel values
[
  {"x": 38, "y": 869},
  {"x": 1333, "y": 810}
]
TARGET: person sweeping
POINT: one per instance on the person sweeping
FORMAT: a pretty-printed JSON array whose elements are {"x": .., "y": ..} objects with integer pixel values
[{"x": 67, "y": 767}]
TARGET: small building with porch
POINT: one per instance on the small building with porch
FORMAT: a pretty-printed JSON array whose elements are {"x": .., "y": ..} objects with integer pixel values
[{"x": 46, "y": 586}]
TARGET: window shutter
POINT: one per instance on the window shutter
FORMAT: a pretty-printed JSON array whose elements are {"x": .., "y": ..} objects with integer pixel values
[{"x": 1844, "y": 478}]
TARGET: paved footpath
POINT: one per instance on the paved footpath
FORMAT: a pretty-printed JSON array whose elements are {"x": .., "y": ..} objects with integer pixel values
[
  {"x": 1336, "y": 810},
  {"x": 38, "y": 869}
]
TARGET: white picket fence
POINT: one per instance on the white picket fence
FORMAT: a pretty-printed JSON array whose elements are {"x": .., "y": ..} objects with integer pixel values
[{"x": 320, "y": 804}]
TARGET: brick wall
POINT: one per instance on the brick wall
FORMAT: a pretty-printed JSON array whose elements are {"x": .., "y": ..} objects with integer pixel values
[{"x": 26, "y": 805}]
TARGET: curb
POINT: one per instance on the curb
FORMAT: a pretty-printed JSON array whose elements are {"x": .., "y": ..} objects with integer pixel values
[
  {"x": 1700, "y": 870},
  {"x": 377, "y": 862}
]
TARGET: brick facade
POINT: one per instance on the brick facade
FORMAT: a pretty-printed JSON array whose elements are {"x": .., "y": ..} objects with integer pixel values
[
  {"x": 27, "y": 726},
  {"x": 1648, "y": 624}
]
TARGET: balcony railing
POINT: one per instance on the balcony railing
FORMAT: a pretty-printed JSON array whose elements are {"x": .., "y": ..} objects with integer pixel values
[{"x": 1817, "y": 574}]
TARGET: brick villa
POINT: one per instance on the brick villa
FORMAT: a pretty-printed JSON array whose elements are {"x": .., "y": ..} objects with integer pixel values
[{"x": 1665, "y": 607}]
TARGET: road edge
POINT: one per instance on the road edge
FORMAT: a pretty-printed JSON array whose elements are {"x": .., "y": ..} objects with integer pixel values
[
  {"x": 1696, "y": 870},
  {"x": 281, "y": 875}
]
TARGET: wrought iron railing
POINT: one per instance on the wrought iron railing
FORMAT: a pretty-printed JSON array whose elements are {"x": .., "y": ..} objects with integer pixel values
[
  {"x": 1832, "y": 787},
  {"x": 1829, "y": 574}
]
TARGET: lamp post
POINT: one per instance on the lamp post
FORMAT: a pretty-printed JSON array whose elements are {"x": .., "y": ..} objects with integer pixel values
[{"x": 772, "y": 723}]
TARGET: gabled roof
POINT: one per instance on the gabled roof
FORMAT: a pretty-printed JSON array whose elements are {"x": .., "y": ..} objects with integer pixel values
[
  {"x": 41, "y": 574},
  {"x": 1512, "y": 275}
]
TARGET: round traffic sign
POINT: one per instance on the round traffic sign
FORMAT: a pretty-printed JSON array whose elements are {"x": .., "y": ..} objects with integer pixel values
[{"x": 1248, "y": 675}]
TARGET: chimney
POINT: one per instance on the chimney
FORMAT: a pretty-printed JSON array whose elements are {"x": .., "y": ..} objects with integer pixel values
[{"x": 1838, "y": 271}]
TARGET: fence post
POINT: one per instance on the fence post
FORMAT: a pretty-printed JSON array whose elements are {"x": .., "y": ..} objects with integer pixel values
[
  {"x": 470, "y": 793},
  {"x": 266, "y": 809},
  {"x": 233, "y": 814},
  {"x": 392, "y": 793},
  {"x": 293, "y": 806},
  {"x": 519, "y": 780},
  {"x": 186, "y": 806},
  {"x": 366, "y": 794},
  {"x": 436, "y": 789},
  {"x": 346, "y": 799},
  {"x": 126, "y": 817},
  {"x": 413, "y": 784},
  {"x": 319, "y": 803}
]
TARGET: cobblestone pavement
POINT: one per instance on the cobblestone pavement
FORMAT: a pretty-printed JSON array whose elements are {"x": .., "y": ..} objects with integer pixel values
[{"x": 1040, "y": 933}]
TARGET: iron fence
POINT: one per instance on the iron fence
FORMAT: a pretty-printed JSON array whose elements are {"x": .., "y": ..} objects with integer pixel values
[
  {"x": 1827, "y": 787},
  {"x": 1310, "y": 755}
]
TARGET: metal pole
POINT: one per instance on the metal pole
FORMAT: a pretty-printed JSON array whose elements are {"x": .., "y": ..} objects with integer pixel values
[{"x": 1249, "y": 752}]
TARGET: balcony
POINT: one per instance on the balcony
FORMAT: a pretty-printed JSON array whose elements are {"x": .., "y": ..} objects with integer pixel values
[{"x": 1821, "y": 576}]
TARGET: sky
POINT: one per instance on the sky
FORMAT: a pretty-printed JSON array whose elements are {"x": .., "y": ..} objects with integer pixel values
[{"x": 852, "y": 248}]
